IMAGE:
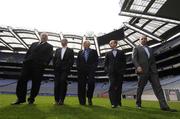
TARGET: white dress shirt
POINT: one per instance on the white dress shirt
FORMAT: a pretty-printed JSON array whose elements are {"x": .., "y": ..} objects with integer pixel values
[
  {"x": 114, "y": 51},
  {"x": 147, "y": 51},
  {"x": 63, "y": 50}
]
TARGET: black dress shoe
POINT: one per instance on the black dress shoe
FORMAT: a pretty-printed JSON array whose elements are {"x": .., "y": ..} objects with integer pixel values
[
  {"x": 120, "y": 104},
  {"x": 90, "y": 102},
  {"x": 168, "y": 109},
  {"x": 30, "y": 101},
  {"x": 17, "y": 102},
  {"x": 82, "y": 103},
  {"x": 60, "y": 102}
]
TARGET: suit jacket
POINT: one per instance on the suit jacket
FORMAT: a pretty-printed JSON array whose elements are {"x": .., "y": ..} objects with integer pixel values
[
  {"x": 115, "y": 64},
  {"x": 66, "y": 63},
  {"x": 140, "y": 58},
  {"x": 40, "y": 54},
  {"x": 91, "y": 63}
]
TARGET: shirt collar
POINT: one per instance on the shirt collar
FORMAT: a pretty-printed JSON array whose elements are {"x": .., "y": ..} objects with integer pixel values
[
  {"x": 143, "y": 45},
  {"x": 87, "y": 49},
  {"x": 114, "y": 49},
  {"x": 64, "y": 47}
]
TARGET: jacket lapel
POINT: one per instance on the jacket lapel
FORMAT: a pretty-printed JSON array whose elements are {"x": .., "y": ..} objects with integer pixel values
[
  {"x": 112, "y": 55},
  {"x": 59, "y": 54},
  {"x": 89, "y": 54},
  {"x": 150, "y": 52},
  {"x": 144, "y": 51},
  {"x": 118, "y": 53},
  {"x": 82, "y": 55},
  {"x": 38, "y": 46},
  {"x": 65, "y": 53}
]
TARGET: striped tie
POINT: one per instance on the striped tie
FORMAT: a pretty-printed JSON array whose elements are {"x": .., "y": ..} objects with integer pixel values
[{"x": 86, "y": 54}]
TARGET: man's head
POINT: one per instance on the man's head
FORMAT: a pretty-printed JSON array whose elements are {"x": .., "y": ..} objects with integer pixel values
[
  {"x": 86, "y": 44},
  {"x": 143, "y": 40},
  {"x": 64, "y": 42},
  {"x": 44, "y": 37},
  {"x": 113, "y": 44}
]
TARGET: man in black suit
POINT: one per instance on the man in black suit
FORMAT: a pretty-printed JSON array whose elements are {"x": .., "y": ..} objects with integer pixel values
[
  {"x": 115, "y": 62},
  {"x": 87, "y": 62},
  {"x": 145, "y": 64},
  {"x": 63, "y": 61},
  {"x": 36, "y": 58}
]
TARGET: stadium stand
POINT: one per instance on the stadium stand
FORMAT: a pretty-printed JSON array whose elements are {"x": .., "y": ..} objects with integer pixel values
[{"x": 153, "y": 18}]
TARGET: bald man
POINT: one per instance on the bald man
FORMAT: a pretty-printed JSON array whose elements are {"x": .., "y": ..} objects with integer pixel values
[
  {"x": 37, "y": 57},
  {"x": 87, "y": 62},
  {"x": 145, "y": 64},
  {"x": 115, "y": 62}
]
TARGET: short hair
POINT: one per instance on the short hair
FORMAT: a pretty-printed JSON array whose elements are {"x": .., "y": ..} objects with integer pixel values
[
  {"x": 64, "y": 40},
  {"x": 44, "y": 34},
  {"x": 87, "y": 41},
  {"x": 144, "y": 36},
  {"x": 115, "y": 41}
]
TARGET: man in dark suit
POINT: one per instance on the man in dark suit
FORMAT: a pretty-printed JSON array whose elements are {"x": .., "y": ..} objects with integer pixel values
[
  {"x": 144, "y": 61},
  {"x": 87, "y": 62},
  {"x": 37, "y": 57},
  {"x": 63, "y": 61},
  {"x": 115, "y": 62}
]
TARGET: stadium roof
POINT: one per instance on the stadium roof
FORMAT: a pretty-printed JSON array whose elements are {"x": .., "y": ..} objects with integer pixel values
[
  {"x": 155, "y": 18},
  {"x": 19, "y": 40}
]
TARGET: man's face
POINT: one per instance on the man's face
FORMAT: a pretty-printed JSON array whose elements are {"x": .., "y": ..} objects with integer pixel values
[
  {"x": 112, "y": 44},
  {"x": 86, "y": 44},
  {"x": 143, "y": 40},
  {"x": 64, "y": 43},
  {"x": 44, "y": 37}
]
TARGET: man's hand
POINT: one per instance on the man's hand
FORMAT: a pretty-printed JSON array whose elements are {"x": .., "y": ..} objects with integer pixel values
[{"x": 139, "y": 70}]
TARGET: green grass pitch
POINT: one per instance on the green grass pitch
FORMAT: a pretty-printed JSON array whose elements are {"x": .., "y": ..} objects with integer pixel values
[{"x": 44, "y": 109}]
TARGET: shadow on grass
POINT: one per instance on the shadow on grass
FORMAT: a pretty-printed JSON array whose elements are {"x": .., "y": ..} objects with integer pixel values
[{"x": 48, "y": 111}]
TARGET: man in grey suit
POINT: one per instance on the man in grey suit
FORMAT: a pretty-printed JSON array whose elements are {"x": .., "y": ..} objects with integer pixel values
[{"x": 144, "y": 61}]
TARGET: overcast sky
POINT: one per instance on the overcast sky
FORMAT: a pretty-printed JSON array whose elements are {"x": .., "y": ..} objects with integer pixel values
[{"x": 66, "y": 16}]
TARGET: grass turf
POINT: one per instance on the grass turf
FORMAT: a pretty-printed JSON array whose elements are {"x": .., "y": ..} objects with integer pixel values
[{"x": 44, "y": 109}]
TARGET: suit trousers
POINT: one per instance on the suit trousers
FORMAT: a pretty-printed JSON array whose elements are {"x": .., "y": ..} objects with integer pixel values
[
  {"x": 31, "y": 71},
  {"x": 84, "y": 78},
  {"x": 115, "y": 89},
  {"x": 154, "y": 80},
  {"x": 60, "y": 85}
]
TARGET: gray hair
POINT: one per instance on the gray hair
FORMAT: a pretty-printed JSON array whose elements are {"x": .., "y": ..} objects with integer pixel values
[{"x": 64, "y": 40}]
